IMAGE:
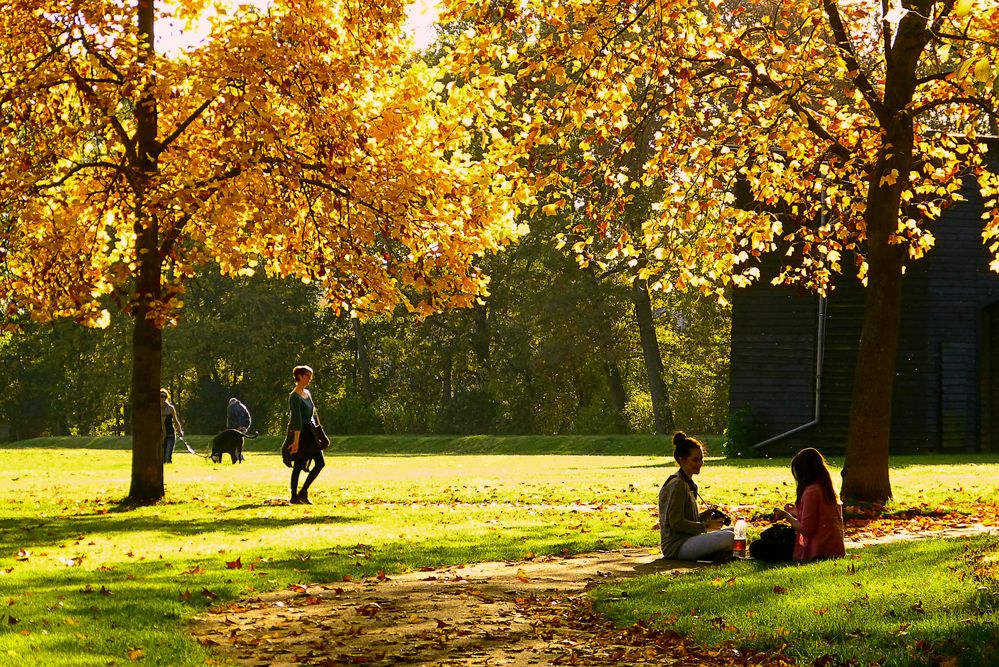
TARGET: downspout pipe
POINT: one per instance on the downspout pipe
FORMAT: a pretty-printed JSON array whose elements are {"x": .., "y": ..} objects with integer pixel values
[{"x": 820, "y": 351}]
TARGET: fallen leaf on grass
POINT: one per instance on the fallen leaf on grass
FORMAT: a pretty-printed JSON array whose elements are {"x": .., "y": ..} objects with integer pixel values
[
  {"x": 522, "y": 576},
  {"x": 370, "y": 609},
  {"x": 235, "y": 564},
  {"x": 780, "y": 590},
  {"x": 136, "y": 654}
]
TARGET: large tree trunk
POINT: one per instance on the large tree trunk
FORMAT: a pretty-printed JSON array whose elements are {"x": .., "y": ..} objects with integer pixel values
[
  {"x": 147, "y": 337},
  {"x": 147, "y": 434},
  {"x": 661, "y": 412},
  {"x": 865, "y": 469}
]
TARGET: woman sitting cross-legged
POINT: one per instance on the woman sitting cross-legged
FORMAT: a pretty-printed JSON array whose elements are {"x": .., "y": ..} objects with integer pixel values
[
  {"x": 683, "y": 534},
  {"x": 818, "y": 515}
]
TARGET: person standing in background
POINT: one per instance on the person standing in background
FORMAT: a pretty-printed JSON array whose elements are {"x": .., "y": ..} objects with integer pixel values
[
  {"x": 171, "y": 425},
  {"x": 237, "y": 416}
]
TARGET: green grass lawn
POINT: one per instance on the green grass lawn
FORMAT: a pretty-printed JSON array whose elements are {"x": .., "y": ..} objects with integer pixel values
[
  {"x": 86, "y": 581},
  {"x": 926, "y": 602}
]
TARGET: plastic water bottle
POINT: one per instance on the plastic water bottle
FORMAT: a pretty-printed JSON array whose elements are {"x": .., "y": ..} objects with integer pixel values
[{"x": 739, "y": 550}]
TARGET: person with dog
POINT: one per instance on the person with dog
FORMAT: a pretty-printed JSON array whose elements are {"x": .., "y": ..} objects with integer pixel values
[
  {"x": 684, "y": 532},
  {"x": 237, "y": 416},
  {"x": 171, "y": 425},
  {"x": 817, "y": 515},
  {"x": 304, "y": 448}
]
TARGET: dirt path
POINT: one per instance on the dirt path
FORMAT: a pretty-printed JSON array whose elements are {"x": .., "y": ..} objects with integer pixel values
[{"x": 505, "y": 613}]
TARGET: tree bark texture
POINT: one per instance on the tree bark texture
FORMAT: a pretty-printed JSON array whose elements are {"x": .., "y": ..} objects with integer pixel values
[
  {"x": 865, "y": 469},
  {"x": 147, "y": 337},
  {"x": 661, "y": 411}
]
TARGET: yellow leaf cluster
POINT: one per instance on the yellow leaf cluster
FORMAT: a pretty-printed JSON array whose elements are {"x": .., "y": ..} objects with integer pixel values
[
  {"x": 655, "y": 116},
  {"x": 299, "y": 139}
]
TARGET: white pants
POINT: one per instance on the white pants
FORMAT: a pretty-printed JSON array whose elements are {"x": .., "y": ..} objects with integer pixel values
[{"x": 701, "y": 545}]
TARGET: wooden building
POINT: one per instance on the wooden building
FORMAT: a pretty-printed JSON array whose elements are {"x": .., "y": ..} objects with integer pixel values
[{"x": 793, "y": 353}]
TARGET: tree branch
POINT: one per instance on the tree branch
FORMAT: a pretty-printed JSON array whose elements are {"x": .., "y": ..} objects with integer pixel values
[
  {"x": 814, "y": 126},
  {"x": 979, "y": 102},
  {"x": 850, "y": 58},
  {"x": 77, "y": 169},
  {"x": 163, "y": 145},
  {"x": 116, "y": 125}
]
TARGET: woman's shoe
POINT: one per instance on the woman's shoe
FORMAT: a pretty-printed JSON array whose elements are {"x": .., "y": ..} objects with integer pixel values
[
  {"x": 295, "y": 500},
  {"x": 303, "y": 498}
]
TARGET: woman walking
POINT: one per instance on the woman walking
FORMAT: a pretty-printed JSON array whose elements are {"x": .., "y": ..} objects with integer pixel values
[{"x": 305, "y": 448}]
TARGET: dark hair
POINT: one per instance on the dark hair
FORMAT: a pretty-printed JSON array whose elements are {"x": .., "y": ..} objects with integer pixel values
[
  {"x": 808, "y": 467},
  {"x": 682, "y": 445},
  {"x": 299, "y": 371}
]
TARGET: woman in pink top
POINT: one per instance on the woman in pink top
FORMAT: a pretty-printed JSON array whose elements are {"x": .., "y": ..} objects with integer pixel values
[{"x": 818, "y": 516}]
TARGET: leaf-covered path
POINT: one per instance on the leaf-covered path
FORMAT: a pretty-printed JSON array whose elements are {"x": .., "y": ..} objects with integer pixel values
[{"x": 501, "y": 613}]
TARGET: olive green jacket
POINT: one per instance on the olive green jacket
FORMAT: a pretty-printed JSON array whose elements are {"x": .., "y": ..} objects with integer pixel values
[{"x": 678, "y": 515}]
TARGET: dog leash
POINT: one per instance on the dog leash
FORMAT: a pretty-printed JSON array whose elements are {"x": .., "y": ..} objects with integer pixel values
[{"x": 189, "y": 448}]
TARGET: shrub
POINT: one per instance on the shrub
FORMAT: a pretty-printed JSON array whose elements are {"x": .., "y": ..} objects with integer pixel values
[{"x": 745, "y": 429}]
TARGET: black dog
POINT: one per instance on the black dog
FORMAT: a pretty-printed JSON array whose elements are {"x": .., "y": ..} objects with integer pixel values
[{"x": 229, "y": 441}]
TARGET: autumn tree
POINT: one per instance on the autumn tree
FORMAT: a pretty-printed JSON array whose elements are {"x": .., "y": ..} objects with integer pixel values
[
  {"x": 850, "y": 124},
  {"x": 298, "y": 139}
]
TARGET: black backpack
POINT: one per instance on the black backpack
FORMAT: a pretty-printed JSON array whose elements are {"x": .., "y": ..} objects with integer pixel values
[{"x": 776, "y": 544}]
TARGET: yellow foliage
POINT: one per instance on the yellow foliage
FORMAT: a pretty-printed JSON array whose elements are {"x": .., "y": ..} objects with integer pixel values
[
  {"x": 675, "y": 106},
  {"x": 302, "y": 141}
]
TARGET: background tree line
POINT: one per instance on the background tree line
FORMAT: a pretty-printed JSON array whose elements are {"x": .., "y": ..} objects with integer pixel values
[{"x": 554, "y": 348}]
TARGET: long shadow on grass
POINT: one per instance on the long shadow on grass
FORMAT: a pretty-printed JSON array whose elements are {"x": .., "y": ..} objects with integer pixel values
[
  {"x": 135, "y": 604},
  {"x": 17, "y": 533}
]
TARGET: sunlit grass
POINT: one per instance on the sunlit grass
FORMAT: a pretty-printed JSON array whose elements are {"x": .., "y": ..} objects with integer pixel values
[
  {"x": 87, "y": 581},
  {"x": 905, "y": 604}
]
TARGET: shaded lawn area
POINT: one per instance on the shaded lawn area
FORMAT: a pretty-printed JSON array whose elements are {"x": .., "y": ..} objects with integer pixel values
[{"x": 85, "y": 581}]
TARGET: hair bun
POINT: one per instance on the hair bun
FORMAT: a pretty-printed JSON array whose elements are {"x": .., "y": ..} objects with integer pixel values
[{"x": 678, "y": 438}]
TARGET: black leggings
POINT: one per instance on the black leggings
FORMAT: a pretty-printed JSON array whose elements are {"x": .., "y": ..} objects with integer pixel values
[{"x": 306, "y": 442}]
